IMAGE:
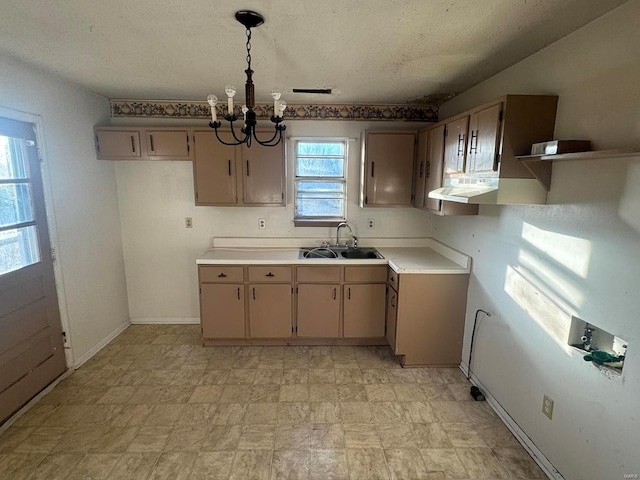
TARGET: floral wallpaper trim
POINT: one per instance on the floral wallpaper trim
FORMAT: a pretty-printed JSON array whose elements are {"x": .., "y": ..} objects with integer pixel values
[{"x": 202, "y": 110}]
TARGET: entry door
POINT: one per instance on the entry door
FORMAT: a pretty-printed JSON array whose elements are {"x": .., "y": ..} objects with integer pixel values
[{"x": 31, "y": 349}]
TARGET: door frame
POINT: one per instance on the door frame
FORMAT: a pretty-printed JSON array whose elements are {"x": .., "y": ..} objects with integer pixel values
[{"x": 51, "y": 222}]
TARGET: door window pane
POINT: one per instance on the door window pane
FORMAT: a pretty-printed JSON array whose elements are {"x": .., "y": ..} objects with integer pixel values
[
  {"x": 18, "y": 248},
  {"x": 13, "y": 164},
  {"x": 15, "y": 204},
  {"x": 18, "y": 242}
]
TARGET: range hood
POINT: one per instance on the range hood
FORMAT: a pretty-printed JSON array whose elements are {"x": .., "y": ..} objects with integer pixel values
[{"x": 508, "y": 191}]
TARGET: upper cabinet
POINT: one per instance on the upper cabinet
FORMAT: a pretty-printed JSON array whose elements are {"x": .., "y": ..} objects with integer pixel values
[
  {"x": 481, "y": 146},
  {"x": 386, "y": 173},
  {"x": 236, "y": 175},
  {"x": 142, "y": 143},
  {"x": 429, "y": 166},
  {"x": 117, "y": 143}
]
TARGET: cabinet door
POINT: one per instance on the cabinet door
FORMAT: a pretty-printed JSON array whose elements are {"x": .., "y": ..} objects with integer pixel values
[
  {"x": 168, "y": 144},
  {"x": 222, "y": 310},
  {"x": 214, "y": 170},
  {"x": 420, "y": 169},
  {"x": 483, "y": 144},
  {"x": 270, "y": 311},
  {"x": 263, "y": 174},
  {"x": 389, "y": 168},
  {"x": 117, "y": 144},
  {"x": 364, "y": 310},
  {"x": 391, "y": 317},
  {"x": 435, "y": 162},
  {"x": 455, "y": 145},
  {"x": 318, "y": 310}
]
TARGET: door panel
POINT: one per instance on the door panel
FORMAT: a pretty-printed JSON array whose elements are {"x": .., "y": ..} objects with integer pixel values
[
  {"x": 364, "y": 310},
  {"x": 420, "y": 169},
  {"x": 263, "y": 174},
  {"x": 318, "y": 310},
  {"x": 435, "y": 161},
  {"x": 389, "y": 168},
  {"x": 222, "y": 310},
  {"x": 214, "y": 170},
  {"x": 455, "y": 146},
  {"x": 31, "y": 349},
  {"x": 483, "y": 140},
  {"x": 168, "y": 144},
  {"x": 270, "y": 311}
]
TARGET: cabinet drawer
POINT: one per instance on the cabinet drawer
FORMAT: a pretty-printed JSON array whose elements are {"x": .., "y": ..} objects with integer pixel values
[
  {"x": 318, "y": 274},
  {"x": 392, "y": 279},
  {"x": 220, "y": 273},
  {"x": 269, "y": 274},
  {"x": 377, "y": 273}
]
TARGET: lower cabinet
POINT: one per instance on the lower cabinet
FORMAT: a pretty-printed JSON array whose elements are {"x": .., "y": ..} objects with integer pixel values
[
  {"x": 222, "y": 310},
  {"x": 270, "y": 312},
  {"x": 425, "y": 321},
  {"x": 364, "y": 310}
]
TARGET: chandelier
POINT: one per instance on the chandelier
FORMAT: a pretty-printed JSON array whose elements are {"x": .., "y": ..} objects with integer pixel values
[{"x": 249, "y": 19}]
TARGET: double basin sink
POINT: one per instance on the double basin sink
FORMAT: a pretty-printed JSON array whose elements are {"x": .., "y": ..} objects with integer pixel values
[{"x": 339, "y": 253}]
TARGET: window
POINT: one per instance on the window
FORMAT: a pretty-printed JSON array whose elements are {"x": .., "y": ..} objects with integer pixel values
[
  {"x": 320, "y": 180},
  {"x": 18, "y": 236}
]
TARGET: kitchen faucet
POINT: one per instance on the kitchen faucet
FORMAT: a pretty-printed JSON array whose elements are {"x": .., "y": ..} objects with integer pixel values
[{"x": 353, "y": 237}]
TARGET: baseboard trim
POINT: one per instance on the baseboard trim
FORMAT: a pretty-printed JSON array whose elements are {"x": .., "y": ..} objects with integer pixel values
[
  {"x": 164, "y": 321},
  {"x": 539, "y": 457},
  {"x": 99, "y": 346}
]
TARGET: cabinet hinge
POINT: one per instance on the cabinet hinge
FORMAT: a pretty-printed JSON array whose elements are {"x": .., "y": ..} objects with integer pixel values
[
  {"x": 296, "y": 290},
  {"x": 53, "y": 255},
  {"x": 366, "y": 200},
  {"x": 429, "y": 169},
  {"x": 500, "y": 115},
  {"x": 200, "y": 291},
  {"x": 446, "y": 131},
  {"x": 188, "y": 147},
  {"x": 97, "y": 144},
  {"x": 292, "y": 290},
  {"x": 64, "y": 338},
  {"x": 412, "y": 197},
  {"x": 282, "y": 195},
  {"x": 40, "y": 155}
]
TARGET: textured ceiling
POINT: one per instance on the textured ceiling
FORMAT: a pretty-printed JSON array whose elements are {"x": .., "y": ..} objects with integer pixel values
[{"x": 368, "y": 51}]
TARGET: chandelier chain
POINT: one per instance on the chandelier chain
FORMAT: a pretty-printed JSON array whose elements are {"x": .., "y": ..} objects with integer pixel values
[{"x": 249, "y": 48}]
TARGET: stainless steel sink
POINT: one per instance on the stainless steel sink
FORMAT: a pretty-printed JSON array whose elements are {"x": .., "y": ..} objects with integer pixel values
[{"x": 339, "y": 253}]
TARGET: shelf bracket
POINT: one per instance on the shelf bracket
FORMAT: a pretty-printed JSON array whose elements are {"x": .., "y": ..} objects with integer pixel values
[{"x": 539, "y": 169}]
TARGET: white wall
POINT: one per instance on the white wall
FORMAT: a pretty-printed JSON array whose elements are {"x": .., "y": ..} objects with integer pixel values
[
  {"x": 534, "y": 267},
  {"x": 160, "y": 253},
  {"x": 83, "y": 201}
]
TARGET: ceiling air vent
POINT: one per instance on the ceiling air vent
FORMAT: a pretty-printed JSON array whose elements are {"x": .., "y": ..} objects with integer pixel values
[{"x": 322, "y": 91}]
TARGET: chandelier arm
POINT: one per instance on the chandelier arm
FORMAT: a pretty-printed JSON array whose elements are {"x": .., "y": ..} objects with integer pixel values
[
  {"x": 272, "y": 142},
  {"x": 230, "y": 144},
  {"x": 233, "y": 132}
]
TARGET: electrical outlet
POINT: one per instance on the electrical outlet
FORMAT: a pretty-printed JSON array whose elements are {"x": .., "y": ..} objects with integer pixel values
[
  {"x": 262, "y": 223},
  {"x": 547, "y": 406},
  {"x": 188, "y": 222},
  {"x": 370, "y": 224}
]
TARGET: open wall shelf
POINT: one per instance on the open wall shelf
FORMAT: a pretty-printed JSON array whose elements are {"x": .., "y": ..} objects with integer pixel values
[{"x": 540, "y": 166}]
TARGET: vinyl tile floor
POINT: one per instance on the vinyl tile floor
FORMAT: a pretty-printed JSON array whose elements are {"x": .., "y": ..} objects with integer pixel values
[{"x": 155, "y": 404}]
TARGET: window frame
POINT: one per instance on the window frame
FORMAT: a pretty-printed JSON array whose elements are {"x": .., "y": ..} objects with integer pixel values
[{"x": 318, "y": 221}]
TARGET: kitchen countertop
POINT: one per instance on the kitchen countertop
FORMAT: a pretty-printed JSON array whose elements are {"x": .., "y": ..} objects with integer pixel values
[{"x": 425, "y": 257}]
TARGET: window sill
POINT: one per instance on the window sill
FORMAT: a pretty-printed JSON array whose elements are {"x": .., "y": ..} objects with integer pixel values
[{"x": 316, "y": 223}]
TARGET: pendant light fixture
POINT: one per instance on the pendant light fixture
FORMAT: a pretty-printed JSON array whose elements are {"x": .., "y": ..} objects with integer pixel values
[{"x": 250, "y": 20}]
